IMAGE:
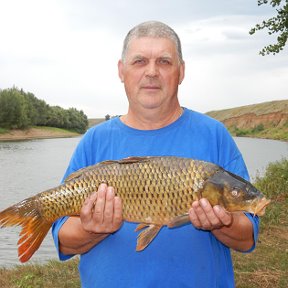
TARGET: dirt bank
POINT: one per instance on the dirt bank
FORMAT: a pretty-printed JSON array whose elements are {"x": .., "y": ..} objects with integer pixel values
[
  {"x": 252, "y": 120},
  {"x": 36, "y": 133}
]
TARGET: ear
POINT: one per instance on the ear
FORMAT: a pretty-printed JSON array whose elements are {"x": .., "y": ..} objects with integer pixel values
[
  {"x": 120, "y": 70},
  {"x": 182, "y": 72}
]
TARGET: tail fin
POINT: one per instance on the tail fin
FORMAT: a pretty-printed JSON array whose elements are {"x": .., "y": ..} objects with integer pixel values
[{"x": 34, "y": 226}]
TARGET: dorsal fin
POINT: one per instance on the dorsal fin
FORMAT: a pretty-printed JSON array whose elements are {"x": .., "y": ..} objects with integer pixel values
[
  {"x": 134, "y": 159},
  {"x": 74, "y": 175},
  {"x": 128, "y": 160}
]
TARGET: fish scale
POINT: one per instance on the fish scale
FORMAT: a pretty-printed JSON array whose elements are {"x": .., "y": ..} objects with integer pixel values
[{"x": 155, "y": 191}]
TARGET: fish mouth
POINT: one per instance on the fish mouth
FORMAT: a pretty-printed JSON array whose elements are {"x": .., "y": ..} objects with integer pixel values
[{"x": 261, "y": 206}]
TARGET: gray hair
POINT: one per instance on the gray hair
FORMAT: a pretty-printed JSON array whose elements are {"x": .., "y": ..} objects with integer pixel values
[{"x": 152, "y": 29}]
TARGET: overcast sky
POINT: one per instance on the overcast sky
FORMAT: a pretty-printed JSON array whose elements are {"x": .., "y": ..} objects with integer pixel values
[{"x": 66, "y": 51}]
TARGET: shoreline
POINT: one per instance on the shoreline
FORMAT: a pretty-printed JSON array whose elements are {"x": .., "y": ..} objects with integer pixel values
[
  {"x": 36, "y": 133},
  {"x": 51, "y": 133}
]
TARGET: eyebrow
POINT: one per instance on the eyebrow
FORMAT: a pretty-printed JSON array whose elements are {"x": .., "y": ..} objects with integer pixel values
[
  {"x": 138, "y": 57},
  {"x": 165, "y": 57}
]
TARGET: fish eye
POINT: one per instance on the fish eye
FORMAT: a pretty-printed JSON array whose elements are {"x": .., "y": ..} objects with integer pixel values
[{"x": 235, "y": 192}]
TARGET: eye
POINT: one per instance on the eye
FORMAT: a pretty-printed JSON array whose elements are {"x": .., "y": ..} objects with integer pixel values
[
  {"x": 139, "y": 61},
  {"x": 164, "y": 61},
  {"x": 235, "y": 192}
]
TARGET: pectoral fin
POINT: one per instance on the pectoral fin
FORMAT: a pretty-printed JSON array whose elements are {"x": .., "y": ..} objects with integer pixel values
[
  {"x": 141, "y": 226},
  {"x": 179, "y": 221},
  {"x": 147, "y": 235}
]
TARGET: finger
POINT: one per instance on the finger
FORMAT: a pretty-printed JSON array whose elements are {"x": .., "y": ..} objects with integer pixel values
[
  {"x": 210, "y": 214},
  {"x": 224, "y": 216},
  {"x": 109, "y": 206},
  {"x": 100, "y": 204},
  {"x": 85, "y": 213},
  {"x": 118, "y": 218},
  {"x": 194, "y": 218},
  {"x": 201, "y": 214}
]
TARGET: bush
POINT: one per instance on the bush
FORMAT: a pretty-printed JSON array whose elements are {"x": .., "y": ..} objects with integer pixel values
[
  {"x": 258, "y": 128},
  {"x": 274, "y": 185}
]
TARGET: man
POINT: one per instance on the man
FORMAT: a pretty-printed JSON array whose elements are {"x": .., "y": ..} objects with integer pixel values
[{"x": 196, "y": 255}]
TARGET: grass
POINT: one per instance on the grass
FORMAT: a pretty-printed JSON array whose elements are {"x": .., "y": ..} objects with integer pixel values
[
  {"x": 3, "y": 130},
  {"x": 276, "y": 133},
  {"x": 53, "y": 274},
  {"x": 55, "y": 129},
  {"x": 265, "y": 267}
]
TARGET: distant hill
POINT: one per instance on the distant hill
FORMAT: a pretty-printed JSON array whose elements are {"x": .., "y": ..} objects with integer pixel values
[
  {"x": 264, "y": 120},
  {"x": 95, "y": 121}
]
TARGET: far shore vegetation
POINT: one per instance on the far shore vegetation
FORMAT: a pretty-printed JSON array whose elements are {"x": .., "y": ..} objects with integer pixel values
[
  {"x": 275, "y": 133},
  {"x": 22, "y": 111},
  {"x": 265, "y": 267}
]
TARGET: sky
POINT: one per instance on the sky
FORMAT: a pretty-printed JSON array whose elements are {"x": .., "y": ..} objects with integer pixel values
[{"x": 66, "y": 51}]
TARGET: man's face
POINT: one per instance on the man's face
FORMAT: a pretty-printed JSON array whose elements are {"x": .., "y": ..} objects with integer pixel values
[{"x": 151, "y": 73}]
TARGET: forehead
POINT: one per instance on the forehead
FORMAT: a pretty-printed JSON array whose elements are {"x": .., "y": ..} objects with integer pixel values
[{"x": 151, "y": 47}]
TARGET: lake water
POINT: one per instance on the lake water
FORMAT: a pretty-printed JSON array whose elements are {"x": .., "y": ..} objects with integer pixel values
[{"x": 28, "y": 167}]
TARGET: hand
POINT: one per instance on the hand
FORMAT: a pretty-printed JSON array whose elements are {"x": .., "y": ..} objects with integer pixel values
[
  {"x": 204, "y": 216},
  {"x": 102, "y": 211}
]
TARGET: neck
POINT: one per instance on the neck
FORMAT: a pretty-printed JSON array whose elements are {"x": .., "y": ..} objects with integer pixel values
[{"x": 152, "y": 119}]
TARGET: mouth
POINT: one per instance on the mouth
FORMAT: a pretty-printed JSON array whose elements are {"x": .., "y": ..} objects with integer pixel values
[
  {"x": 150, "y": 87},
  {"x": 261, "y": 206}
]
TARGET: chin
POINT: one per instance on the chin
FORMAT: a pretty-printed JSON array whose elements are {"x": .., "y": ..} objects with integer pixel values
[{"x": 150, "y": 104}]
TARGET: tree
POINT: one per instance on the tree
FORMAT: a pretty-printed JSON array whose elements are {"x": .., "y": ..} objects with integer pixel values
[
  {"x": 13, "y": 110},
  {"x": 107, "y": 117},
  {"x": 78, "y": 120},
  {"x": 277, "y": 24},
  {"x": 21, "y": 110}
]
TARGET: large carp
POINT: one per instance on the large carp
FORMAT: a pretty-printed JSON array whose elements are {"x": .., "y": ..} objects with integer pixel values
[{"x": 155, "y": 191}]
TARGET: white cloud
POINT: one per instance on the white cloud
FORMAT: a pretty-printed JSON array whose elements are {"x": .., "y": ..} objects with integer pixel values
[{"x": 66, "y": 52}]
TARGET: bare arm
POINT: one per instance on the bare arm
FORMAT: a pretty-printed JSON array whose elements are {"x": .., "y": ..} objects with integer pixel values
[
  {"x": 100, "y": 216},
  {"x": 233, "y": 229}
]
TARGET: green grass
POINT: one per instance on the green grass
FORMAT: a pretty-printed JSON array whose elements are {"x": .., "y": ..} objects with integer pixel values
[
  {"x": 3, "y": 130},
  {"x": 276, "y": 133},
  {"x": 265, "y": 267},
  {"x": 274, "y": 185},
  {"x": 55, "y": 129}
]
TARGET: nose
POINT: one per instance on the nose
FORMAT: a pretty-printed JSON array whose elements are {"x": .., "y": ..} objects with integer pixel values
[{"x": 151, "y": 70}]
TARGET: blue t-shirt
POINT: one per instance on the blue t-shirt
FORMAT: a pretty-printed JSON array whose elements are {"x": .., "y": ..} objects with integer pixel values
[{"x": 179, "y": 257}]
